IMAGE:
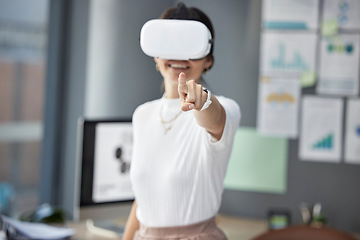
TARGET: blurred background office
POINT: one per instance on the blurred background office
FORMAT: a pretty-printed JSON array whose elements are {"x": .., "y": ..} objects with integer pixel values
[
  {"x": 23, "y": 49},
  {"x": 61, "y": 60}
]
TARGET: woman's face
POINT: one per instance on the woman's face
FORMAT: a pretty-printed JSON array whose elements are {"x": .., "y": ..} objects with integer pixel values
[{"x": 170, "y": 69}]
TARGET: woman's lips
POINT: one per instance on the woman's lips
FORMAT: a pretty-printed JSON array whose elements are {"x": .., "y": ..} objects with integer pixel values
[{"x": 178, "y": 66}]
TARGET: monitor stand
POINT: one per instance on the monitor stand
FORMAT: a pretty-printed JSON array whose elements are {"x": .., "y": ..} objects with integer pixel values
[{"x": 108, "y": 228}]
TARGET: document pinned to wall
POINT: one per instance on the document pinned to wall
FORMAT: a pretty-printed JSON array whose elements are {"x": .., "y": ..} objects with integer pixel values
[
  {"x": 257, "y": 163},
  {"x": 346, "y": 13},
  {"x": 321, "y": 129},
  {"x": 339, "y": 65},
  {"x": 290, "y": 14},
  {"x": 352, "y": 131},
  {"x": 281, "y": 52},
  {"x": 278, "y": 101}
]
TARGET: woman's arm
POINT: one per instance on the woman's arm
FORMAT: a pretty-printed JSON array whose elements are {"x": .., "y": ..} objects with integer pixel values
[
  {"x": 193, "y": 97},
  {"x": 213, "y": 118},
  {"x": 132, "y": 224}
]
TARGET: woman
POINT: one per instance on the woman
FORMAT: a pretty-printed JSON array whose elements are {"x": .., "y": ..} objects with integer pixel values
[{"x": 182, "y": 144}]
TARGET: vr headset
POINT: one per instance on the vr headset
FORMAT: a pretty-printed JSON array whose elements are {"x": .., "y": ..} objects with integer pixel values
[{"x": 175, "y": 39}]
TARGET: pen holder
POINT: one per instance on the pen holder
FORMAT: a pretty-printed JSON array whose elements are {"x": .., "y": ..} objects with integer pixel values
[{"x": 45, "y": 213}]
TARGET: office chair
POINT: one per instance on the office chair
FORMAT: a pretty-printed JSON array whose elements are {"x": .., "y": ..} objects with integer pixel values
[{"x": 304, "y": 232}]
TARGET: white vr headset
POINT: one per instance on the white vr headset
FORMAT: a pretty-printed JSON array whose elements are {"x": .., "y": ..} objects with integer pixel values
[{"x": 175, "y": 39}]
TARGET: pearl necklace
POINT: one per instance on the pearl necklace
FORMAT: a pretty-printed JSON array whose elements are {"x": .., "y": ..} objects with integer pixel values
[{"x": 165, "y": 123}]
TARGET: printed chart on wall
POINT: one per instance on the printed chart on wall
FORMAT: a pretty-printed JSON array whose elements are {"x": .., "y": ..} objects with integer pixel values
[
  {"x": 339, "y": 65},
  {"x": 278, "y": 101},
  {"x": 285, "y": 14},
  {"x": 344, "y": 14},
  {"x": 282, "y": 53},
  {"x": 321, "y": 129},
  {"x": 113, "y": 148},
  {"x": 352, "y": 131}
]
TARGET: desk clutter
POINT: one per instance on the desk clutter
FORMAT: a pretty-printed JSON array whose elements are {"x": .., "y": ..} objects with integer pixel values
[
  {"x": 15, "y": 229},
  {"x": 44, "y": 222},
  {"x": 314, "y": 226}
]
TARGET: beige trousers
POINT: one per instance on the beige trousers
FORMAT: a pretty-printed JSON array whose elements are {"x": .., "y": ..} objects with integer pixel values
[{"x": 206, "y": 230}]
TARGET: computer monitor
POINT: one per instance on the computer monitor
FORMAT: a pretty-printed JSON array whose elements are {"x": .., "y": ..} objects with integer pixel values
[{"x": 105, "y": 192}]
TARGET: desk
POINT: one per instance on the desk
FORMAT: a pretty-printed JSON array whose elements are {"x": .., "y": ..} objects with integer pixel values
[{"x": 234, "y": 227}]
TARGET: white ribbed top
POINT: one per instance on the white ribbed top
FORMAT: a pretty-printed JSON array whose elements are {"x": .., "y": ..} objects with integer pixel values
[{"x": 178, "y": 177}]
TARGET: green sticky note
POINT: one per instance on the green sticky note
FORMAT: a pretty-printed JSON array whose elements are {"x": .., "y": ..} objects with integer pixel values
[
  {"x": 308, "y": 78},
  {"x": 257, "y": 163},
  {"x": 329, "y": 27}
]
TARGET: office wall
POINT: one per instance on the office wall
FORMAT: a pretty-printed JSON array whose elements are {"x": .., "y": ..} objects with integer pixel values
[
  {"x": 237, "y": 25},
  {"x": 119, "y": 77}
]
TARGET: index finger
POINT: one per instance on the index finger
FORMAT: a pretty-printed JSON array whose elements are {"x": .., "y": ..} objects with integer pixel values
[{"x": 182, "y": 82}]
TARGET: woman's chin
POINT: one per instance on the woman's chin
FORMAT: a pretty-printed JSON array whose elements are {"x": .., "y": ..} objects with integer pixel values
[{"x": 175, "y": 75}]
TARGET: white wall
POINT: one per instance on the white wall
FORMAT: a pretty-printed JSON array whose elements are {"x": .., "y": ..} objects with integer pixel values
[{"x": 119, "y": 75}]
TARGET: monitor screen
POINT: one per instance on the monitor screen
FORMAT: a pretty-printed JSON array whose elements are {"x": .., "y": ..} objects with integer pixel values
[{"x": 105, "y": 149}]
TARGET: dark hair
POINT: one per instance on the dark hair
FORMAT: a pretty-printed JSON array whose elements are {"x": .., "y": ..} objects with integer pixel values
[{"x": 190, "y": 13}]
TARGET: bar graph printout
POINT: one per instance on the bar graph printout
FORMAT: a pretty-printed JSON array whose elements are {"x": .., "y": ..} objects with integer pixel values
[
  {"x": 352, "y": 131},
  {"x": 321, "y": 129},
  {"x": 281, "y": 53}
]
